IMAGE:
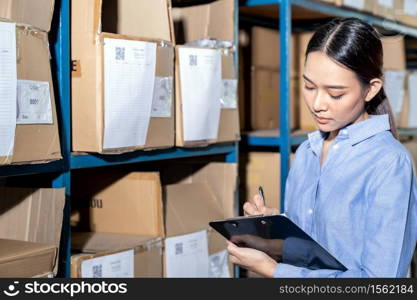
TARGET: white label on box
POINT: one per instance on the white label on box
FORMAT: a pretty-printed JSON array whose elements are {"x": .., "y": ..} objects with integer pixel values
[
  {"x": 200, "y": 72},
  {"x": 386, "y": 3},
  {"x": 229, "y": 94},
  {"x": 33, "y": 102},
  {"x": 129, "y": 78},
  {"x": 186, "y": 256},
  {"x": 219, "y": 265},
  {"x": 162, "y": 97},
  {"x": 410, "y": 7},
  {"x": 118, "y": 265},
  {"x": 412, "y": 110},
  {"x": 358, "y": 4},
  {"x": 394, "y": 88},
  {"x": 8, "y": 87}
]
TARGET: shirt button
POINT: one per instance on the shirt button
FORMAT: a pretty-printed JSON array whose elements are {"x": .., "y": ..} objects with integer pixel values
[
  {"x": 344, "y": 131},
  {"x": 335, "y": 146},
  {"x": 310, "y": 211}
]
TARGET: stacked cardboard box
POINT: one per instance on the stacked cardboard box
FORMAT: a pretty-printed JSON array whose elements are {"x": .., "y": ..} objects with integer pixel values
[
  {"x": 122, "y": 79},
  {"x": 196, "y": 194},
  {"x": 36, "y": 125},
  {"x": 265, "y": 79},
  {"x": 206, "y": 79},
  {"x": 30, "y": 231},
  {"x": 118, "y": 222}
]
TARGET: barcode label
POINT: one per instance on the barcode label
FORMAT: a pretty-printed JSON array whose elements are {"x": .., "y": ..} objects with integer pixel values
[
  {"x": 98, "y": 271},
  {"x": 120, "y": 53},
  {"x": 33, "y": 102},
  {"x": 179, "y": 248},
  {"x": 193, "y": 60},
  {"x": 162, "y": 98}
]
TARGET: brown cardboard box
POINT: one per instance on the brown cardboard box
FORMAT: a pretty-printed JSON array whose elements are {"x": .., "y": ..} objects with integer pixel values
[
  {"x": 394, "y": 53},
  {"x": 265, "y": 99},
  {"x": 92, "y": 21},
  {"x": 361, "y": 5},
  {"x": 305, "y": 119},
  {"x": 118, "y": 203},
  {"x": 387, "y": 9},
  {"x": 146, "y": 260},
  {"x": 28, "y": 12},
  {"x": 189, "y": 209},
  {"x": 407, "y": 12},
  {"x": 32, "y": 215},
  {"x": 33, "y": 63},
  {"x": 220, "y": 177},
  {"x": 265, "y": 45},
  {"x": 192, "y": 23},
  {"x": 25, "y": 259}
]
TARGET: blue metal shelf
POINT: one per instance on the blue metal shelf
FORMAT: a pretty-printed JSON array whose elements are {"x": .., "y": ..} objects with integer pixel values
[
  {"x": 100, "y": 160},
  {"x": 30, "y": 169},
  {"x": 270, "y": 141}
]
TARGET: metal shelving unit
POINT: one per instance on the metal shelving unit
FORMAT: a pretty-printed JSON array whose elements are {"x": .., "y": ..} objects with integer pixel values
[
  {"x": 61, "y": 169},
  {"x": 285, "y": 140}
]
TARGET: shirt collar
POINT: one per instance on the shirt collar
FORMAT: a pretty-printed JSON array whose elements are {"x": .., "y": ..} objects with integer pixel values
[{"x": 356, "y": 132}]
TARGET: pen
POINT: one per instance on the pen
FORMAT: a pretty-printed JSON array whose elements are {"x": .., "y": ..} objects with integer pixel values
[{"x": 261, "y": 193}]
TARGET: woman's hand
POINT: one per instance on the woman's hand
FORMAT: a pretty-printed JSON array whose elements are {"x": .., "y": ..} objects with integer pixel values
[
  {"x": 251, "y": 259},
  {"x": 257, "y": 207}
]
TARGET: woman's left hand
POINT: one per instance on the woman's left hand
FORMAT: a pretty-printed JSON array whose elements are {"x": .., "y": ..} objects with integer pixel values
[{"x": 252, "y": 259}]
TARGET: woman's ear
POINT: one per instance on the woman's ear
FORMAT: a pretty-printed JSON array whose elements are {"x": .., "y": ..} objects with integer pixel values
[{"x": 375, "y": 85}]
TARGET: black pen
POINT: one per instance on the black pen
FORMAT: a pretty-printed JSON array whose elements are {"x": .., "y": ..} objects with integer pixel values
[{"x": 261, "y": 193}]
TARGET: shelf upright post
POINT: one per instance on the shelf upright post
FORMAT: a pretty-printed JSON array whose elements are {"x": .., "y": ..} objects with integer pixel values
[{"x": 285, "y": 93}]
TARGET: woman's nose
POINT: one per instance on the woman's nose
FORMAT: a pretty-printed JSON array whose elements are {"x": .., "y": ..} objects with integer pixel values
[{"x": 320, "y": 103}]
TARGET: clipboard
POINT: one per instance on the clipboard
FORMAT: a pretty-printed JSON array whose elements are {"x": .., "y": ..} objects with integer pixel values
[{"x": 261, "y": 233}]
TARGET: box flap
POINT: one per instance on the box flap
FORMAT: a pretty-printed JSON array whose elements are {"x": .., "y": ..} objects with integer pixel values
[
  {"x": 189, "y": 208},
  {"x": 93, "y": 242},
  {"x": 145, "y": 18},
  {"x": 11, "y": 250},
  {"x": 33, "y": 215},
  {"x": 215, "y": 20},
  {"x": 36, "y": 13}
]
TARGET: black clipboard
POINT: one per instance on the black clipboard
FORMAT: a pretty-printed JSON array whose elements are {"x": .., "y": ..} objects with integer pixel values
[{"x": 259, "y": 232}]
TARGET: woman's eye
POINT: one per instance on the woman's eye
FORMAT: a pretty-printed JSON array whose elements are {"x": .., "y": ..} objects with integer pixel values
[
  {"x": 308, "y": 88},
  {"x": 337, "y": 97}
]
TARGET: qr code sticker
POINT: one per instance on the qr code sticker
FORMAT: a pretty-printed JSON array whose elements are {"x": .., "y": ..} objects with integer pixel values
[
  {"x": 178, "y": 248},
  {"x": 120, "y": 53},
  {"x": 193, "y": 60},
  {"x": 98, "y": 271}
]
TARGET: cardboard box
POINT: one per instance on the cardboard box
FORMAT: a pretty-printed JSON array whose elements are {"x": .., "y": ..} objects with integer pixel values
[
  {"x": 407, "y": 13},
  {"x": 265, "y": 89},
  {"x": 92, "y": 22},
  {"x": 305, "y": 118},
  {"x": 394, "y": 53},
  {"x": 102, "y": 250},
  {"x": 266, "y": 50},
  {"x": 33, "y": 215},
  {"x": 387, "y": 8},
  {"x": 33, "y": 63},
  {"x": 361, "y": 5},
  {"x": 189, "y": 209},
  {"x": 407, "y": 117},
  {"x": 25, "y": 259},
  {"x": 118, "y": 203},
  {"x": 28, "y": 12},
  {"x": 193, "y": 23}
]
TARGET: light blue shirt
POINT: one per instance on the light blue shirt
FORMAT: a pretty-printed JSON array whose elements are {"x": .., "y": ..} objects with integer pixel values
[{"x": 361, "y": 205}]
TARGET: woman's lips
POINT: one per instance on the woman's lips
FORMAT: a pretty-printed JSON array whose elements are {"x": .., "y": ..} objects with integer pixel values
[{"x": 322, "y": 120}]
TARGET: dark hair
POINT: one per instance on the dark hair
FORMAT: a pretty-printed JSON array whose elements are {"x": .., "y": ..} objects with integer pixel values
[{"x": 356, "y": 45}]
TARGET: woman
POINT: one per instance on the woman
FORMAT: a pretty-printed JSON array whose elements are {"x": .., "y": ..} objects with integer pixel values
[{"x": 351, "y": 186}]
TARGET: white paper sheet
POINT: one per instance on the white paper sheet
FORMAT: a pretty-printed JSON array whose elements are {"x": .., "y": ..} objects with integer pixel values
[
  {"x": 33, "y": 102},
  {"x": 162, "y": 97},
  {"x": 200, "y": 72},
  {"x": 187, "y": 255},
  {"x": 118, "y": 265},
  {"x": 129, "y": 68},
  {"x": 8, "y": 87},
  {"x": 218, "y": 265},
  {"x": 386, "y": 3},
  {"x": 394, "y": 88},
  {"x": 410, "y": 7},
  {"x": 412, "y": 110},
  {"x": 358, "y": 4},
  {"x": 228, "y": 99}
]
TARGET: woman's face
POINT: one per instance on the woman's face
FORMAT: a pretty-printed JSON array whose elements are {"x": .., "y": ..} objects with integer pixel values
[{"x": 332, "y": 93}]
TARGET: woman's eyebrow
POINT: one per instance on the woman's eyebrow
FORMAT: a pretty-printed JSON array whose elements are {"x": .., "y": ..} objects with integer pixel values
[{"x": 335, "y": 87}]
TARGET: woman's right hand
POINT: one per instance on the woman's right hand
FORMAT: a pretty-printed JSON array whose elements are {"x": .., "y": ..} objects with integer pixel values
[{"x": 257, "y": 207}]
